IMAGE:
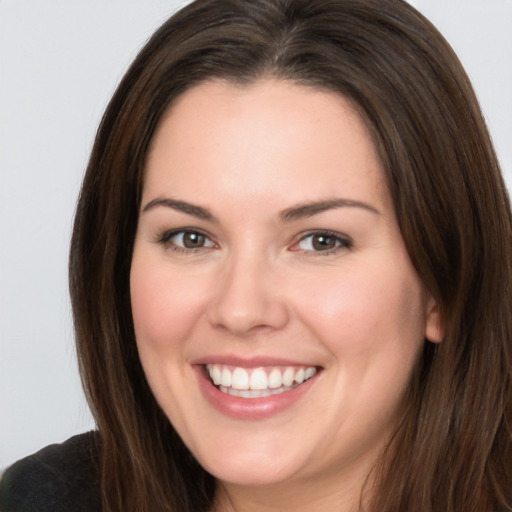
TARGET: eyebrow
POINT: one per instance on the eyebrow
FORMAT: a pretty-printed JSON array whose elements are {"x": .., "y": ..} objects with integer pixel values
[
  {"x": 294, "y": 213},
  {"x": 305, "y": 210},
  {"x": 181, "y": 206}
]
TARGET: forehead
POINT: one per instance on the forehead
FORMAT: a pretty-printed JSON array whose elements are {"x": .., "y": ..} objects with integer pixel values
[{"x": 270, "y": 136}]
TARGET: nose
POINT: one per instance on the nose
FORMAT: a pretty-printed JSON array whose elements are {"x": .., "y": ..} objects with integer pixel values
[{"x": 248, "y": 298}]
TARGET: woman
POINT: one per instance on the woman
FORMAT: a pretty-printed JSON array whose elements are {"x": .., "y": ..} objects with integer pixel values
[{"x": 290, "y": 271}]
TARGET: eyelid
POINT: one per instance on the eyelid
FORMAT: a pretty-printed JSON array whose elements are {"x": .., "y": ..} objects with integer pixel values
[
  {"x": 344, "y": 242},
  {"x": 164, "y": 238}
]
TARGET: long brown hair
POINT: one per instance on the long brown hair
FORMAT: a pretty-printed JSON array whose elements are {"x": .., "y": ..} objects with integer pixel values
[{"x": 452, "y": 451}]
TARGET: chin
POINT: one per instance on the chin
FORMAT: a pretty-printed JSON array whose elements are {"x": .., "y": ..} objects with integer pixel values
[
  {"x": 250, "y": 473},
  {"x": 253, "y": 465}
]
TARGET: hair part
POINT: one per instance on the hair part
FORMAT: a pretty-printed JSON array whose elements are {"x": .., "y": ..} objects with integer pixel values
[{"x": 452, "y": 449}]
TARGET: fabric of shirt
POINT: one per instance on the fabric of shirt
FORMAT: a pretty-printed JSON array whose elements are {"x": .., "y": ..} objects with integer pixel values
[{"x": 59, "y": 478}]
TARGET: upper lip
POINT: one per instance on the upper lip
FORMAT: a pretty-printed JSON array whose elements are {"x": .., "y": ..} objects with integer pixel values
[{"x": 252, "y": 362}]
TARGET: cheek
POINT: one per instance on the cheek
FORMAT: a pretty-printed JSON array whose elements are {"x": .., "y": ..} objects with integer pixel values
[
  {"x": 367, "y": 308},
  {"x": 372, "y": 322},
  {"x": 164, "y": 307},
  {"x": 164, "y": 310}
]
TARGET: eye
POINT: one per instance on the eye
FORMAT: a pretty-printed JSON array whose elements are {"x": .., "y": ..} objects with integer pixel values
[
  {"x": 322, "y": 242},
  {"x": 186, "y": 240}
]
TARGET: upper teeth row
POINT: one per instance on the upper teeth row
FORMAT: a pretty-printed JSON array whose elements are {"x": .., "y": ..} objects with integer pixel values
[{"x": 258, "y": 378}]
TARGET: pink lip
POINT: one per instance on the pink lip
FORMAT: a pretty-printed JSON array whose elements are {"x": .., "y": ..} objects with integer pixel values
[{"x": 251, "y": 409}]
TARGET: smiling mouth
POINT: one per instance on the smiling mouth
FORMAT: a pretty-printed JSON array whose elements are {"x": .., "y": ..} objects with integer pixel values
[{"x": 258, "y": 382}]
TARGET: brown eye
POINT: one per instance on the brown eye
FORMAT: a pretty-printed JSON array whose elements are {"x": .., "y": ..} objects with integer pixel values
[
  {"x": 185, "y": 240},
  {"x": 192, "y": 240},
  {"x": 323, "y": 242}
]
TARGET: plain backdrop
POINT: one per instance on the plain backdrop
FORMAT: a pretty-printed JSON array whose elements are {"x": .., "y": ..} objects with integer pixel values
[{"x": 59, "y": 64}]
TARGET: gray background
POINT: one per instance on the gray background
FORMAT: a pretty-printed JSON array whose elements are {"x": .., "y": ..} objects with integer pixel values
[{"x": 59, "y": 64}]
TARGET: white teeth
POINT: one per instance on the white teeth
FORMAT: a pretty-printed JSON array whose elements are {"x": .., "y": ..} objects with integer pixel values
[
  {"x": 258, "y": 382},
  {"x": 216, "y": 376},
  {"x": 226, "y": 378},
  {"x": 288, "y": 377},
  {"x": 309, "y": 372},
  {"x": 253, "y": 393},
  {"x": 240, "y": 379},
  {"x": 275, "y": 379},
  {"x": 258, "y": 379}
]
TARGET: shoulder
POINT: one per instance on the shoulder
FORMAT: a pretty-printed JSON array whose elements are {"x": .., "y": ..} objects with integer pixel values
[{"x": 59, "y": 478}]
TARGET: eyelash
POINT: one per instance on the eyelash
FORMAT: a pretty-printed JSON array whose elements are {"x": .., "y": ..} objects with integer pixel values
[
  {"x": 165, "y": 240},
  {"x": 341, "y": 242}
]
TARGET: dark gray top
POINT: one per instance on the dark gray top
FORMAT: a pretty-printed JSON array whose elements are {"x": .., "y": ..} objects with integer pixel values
[{"x": 59, "y": 478}]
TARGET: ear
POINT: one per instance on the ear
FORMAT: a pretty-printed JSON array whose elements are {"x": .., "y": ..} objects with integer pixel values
[{"x": 434, "y": 327}]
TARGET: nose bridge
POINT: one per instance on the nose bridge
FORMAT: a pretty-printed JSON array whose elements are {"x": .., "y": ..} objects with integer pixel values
[{"x": 248, "y": 296}]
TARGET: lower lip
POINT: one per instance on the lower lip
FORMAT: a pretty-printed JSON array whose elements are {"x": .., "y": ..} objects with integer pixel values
[{"x": 250, "y": 408}]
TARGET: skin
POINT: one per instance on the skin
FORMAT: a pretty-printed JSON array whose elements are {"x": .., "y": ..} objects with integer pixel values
[{"x": 258, "y": 286}]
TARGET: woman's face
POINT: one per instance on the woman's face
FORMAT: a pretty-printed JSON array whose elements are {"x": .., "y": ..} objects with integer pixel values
[{"x": 269, "y": 256}]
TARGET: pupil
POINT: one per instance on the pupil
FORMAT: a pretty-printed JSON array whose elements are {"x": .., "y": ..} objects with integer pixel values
[
  {"x": 322, "y": 243},
  {"x": 191, "y": 240}
]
